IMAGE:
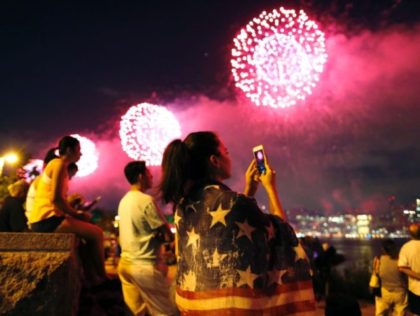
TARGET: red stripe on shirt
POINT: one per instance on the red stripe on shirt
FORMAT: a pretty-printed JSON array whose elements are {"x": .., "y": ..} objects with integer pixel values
[{"x": 245, "y": 292}]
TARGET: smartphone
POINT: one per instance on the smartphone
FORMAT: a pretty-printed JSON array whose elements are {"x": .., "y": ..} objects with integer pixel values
[
  {"x": 260, "y": 158},
  {"x": 88, "y": 205}
]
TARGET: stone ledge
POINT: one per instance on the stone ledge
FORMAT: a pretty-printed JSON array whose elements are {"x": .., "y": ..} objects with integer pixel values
[
  {"x": 36, "y": 241},
  {"x": 39, "y": 274}
]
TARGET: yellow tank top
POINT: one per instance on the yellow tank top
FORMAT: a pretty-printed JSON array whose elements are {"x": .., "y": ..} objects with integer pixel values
[{"x": 43, "y": 206}]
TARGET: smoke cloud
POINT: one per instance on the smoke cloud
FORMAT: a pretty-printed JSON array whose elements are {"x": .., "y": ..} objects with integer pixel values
[{"x": 351, "y": 144}]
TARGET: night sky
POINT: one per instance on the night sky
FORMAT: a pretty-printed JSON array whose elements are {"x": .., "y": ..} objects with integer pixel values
[{"x": 76, "y": 68}]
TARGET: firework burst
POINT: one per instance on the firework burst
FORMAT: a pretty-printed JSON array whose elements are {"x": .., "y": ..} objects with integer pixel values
[
  {"x": 278, "y": 57},
  {"x": 88, "y": 162},
  {"x": 145, "y": 130}
]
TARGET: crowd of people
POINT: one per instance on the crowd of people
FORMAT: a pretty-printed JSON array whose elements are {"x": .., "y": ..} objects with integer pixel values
[
  {"x": 399, "y": 272},
  {"x": 232, "y": 258}
]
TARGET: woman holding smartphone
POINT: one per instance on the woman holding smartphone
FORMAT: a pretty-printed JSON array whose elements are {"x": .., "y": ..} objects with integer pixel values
[
  {"x": 52, "y": 213},
  {"x": 232, "y": 258}
]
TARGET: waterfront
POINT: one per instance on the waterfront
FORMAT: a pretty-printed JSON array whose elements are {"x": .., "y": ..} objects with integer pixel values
[{"x": 358, "y": 253}]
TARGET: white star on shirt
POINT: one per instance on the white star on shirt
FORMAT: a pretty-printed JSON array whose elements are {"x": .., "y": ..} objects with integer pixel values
[
  {"x": 217, "y": 258},
  {"x": 193, "y": 238},
  {"x": 218, "y": 216},
  {"x": 245, "y": 230},
  {"x": 247, "y": 277},
  {"x": 189, "y": 281}
]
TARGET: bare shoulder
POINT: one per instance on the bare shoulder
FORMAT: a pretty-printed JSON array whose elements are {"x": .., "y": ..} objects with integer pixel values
[{"x": 54, "y": 165}]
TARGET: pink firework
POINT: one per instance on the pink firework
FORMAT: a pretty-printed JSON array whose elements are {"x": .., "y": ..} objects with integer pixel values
[
  {"x": 278, "y": 57},
  {"x": 145, "y": 130},
  {"x": 88, "y": 162}
]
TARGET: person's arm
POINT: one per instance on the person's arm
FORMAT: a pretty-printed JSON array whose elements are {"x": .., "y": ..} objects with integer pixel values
[
  {"x": 158, "y": 223},
  {"x": 268, "y": 180},
  {"x": 58, "y": 180},
  {"x": 409, "y": 272},
  {"x": 251, "y": 179}
]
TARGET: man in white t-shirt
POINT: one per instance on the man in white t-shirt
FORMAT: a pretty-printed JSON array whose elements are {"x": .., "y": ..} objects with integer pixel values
[
  {"x": 143, "y": 229},
  {"x": 409, "y": 263}
]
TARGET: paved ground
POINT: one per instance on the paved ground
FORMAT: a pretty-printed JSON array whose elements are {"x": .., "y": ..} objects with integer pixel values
[
  {"x": 109, "y": 302},
  {"x": 368, "y": 309}
]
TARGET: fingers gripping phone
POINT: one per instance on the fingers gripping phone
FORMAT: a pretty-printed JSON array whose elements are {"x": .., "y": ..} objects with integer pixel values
[{"x": 260, "y": 158}]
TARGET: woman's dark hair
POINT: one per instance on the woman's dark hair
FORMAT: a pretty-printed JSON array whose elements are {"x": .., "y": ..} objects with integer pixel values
[
  {"x": 133, "y": 169},
  {"x": 185, "y": 163},
  {"x": 67, "y": 142},
  {"x": 50, "y": 155},
  {"x": 390, "y": 248}
]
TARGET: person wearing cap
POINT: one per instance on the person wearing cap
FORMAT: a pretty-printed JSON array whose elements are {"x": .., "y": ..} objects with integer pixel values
[{"x": 12, "y": 214}]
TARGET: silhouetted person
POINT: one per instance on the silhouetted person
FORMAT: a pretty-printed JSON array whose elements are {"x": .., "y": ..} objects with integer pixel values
[
  {"x": 326, "y": 260},
  {"x": 316, "y": 257},
  {"x": 12, "y": 213}
]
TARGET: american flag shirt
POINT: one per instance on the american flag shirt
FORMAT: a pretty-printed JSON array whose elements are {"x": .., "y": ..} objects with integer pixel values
[{"x": 236, "y": 260}]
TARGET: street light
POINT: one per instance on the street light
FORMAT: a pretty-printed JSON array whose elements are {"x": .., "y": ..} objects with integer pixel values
[{"x": 10, "y": 158}]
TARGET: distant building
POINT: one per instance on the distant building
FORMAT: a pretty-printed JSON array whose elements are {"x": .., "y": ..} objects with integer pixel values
[{"x": 363, "y": 225}]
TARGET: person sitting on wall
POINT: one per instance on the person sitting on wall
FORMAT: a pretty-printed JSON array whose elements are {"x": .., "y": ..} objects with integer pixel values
[{"x": 52, "y": 212}]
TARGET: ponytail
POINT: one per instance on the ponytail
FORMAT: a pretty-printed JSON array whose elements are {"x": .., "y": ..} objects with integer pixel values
[
  {"x": 50, "y": 155},
  {"x": 186, "y": 163},
  {"x": 174, "y": 171}
]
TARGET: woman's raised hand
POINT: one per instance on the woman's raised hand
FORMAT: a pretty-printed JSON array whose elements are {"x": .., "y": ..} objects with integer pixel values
[
  {"x": 251, "y": 179},
  {"x": 268, "y": 179}
]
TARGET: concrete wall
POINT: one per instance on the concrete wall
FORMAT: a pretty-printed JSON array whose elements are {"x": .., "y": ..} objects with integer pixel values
[{"x": 39, "y": 274}]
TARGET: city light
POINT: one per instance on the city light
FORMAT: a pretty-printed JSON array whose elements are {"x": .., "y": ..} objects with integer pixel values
[{"x": 10, "y": 158}]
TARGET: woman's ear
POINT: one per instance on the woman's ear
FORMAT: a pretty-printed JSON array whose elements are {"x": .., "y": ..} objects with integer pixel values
[
  {"x": 140, "y": 178},
  {"x": 214, "y": 160}
]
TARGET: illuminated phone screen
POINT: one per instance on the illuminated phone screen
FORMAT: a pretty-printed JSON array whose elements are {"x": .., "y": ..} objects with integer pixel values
[{"x": 259, "y": 157}]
